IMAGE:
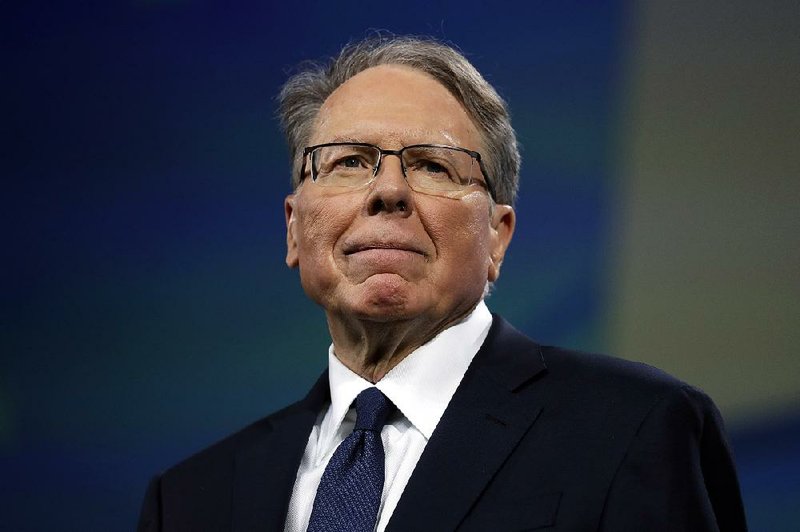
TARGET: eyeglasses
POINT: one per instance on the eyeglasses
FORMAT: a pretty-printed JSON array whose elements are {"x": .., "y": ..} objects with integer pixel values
[{"x": 429, "y": 168}]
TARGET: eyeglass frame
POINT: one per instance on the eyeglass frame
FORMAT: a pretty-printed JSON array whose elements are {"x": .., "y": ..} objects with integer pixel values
[{"x": 399, "y": 153}]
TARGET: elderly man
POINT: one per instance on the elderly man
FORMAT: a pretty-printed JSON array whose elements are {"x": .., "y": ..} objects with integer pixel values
[{"x": 435, "y": 414}]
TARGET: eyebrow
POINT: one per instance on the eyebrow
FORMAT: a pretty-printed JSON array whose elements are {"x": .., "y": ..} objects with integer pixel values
[{"x": 339, "y": 138}]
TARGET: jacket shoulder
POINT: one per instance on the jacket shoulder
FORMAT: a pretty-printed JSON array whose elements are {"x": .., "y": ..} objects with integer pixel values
[
  {"x": 220, "y": 454},
  {"x": 197, "y": 492},
  {"x": 596, "y": 381},
  {"x": 610, "y": 375}
]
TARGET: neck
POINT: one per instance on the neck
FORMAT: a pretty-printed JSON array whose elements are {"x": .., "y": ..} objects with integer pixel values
[{"x": 371, "y": 348}]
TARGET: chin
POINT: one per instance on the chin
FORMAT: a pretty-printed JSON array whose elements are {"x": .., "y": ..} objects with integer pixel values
[{"x": 385, "y": 298}]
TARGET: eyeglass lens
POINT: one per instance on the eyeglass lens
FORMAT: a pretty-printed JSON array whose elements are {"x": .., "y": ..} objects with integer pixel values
[{"x": 430, "y": 168}]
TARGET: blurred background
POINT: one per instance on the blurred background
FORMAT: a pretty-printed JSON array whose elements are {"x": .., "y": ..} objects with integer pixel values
[{"x": 146, "y": 308}]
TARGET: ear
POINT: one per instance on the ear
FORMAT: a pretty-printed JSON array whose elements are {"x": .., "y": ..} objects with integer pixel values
[
  {"x": 502, "y": 220},
  {"x": 291, "y": 242}
]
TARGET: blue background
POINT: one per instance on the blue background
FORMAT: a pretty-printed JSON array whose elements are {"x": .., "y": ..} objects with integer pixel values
[{"x": 146, "y": 307}]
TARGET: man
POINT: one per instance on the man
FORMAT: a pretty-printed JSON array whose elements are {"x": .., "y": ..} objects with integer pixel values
[{"x": 434, "y": 414}]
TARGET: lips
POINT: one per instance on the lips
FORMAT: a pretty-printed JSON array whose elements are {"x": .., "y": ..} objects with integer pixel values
[{"x": 357, "y": 246}]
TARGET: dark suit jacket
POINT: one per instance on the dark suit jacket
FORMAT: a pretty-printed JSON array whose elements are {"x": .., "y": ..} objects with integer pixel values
[{"x": 535, "y": 438}]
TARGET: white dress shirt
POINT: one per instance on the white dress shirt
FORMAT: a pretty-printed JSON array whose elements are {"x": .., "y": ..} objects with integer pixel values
[{"x": 420, "y": 386}]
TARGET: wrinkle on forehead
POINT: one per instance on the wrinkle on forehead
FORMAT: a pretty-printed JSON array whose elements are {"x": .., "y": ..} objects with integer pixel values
[
  {"x": 396, "y": 106},
  {"x": 397, "y": 139}
]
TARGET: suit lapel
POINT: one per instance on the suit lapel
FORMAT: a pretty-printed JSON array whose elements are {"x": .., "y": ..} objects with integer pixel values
[
  {"x": 488, "y": 415},
  {"x": 265, "y": 471}
]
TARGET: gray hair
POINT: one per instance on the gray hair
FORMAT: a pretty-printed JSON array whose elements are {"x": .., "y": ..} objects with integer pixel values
[{"x": 304, "y": 93}]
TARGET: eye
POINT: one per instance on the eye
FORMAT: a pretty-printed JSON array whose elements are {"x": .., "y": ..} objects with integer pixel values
[
  {"x": 351, "y": 161},
  {"x": 344, "y": 161},
  {"x": 431, "y": 167}
]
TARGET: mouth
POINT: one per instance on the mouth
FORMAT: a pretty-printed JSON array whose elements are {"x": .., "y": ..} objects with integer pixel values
[{"x": 352, "y": 249}]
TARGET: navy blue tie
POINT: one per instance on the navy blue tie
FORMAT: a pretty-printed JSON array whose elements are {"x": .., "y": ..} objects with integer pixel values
[{"x": 349, "y": 494}]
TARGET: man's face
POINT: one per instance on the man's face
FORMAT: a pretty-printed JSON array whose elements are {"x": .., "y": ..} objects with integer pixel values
[{"x": 383, "y": 252}]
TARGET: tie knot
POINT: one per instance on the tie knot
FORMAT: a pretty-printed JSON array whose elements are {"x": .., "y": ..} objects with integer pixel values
[{"x": 372, "y": 410}]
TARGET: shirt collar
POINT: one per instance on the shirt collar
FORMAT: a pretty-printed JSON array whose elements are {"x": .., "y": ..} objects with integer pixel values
[{"x": 422, "y": 384}]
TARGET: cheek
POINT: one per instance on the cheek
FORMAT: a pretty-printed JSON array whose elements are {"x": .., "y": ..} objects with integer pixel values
[
  {"x": 320, "y": 227},
  {"x": 461, "y": 235}
]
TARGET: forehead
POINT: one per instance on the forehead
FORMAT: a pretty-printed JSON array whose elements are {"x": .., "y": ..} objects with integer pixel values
[{"x": 393, "y": 106}]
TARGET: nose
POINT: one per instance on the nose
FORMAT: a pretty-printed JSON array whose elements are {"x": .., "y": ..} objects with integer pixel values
[{"x": 389, "y": 192}]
